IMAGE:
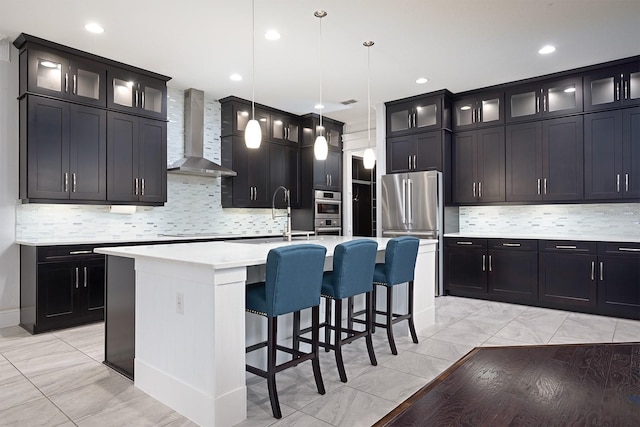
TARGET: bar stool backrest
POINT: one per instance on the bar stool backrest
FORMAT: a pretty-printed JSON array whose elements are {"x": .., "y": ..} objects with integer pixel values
[
  {"x": 400, "y": 259},
  {"x": 353, "y": 265}
]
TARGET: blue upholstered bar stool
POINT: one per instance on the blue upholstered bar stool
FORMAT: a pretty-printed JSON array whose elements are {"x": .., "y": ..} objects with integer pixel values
[
  {"x": 353, "y": 264},
  {"x": 292, "y": 283},
  {"x": 398, "y": 267}
]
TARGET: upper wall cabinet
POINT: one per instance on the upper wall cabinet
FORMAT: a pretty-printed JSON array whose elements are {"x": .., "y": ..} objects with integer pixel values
[
  {"x": 331, "y": 129},
  {"x": 130, "y": 92},
  {"x": 477, "y": 111},
  {"x": 419, "y": 114},
  {"x": 237, "y": 112},
  {"x": 543, "y": 100},
  {"x": 612, "y": 87},
  {"x": 64, "y": 76},
  {"x": 285, "y": 129}
]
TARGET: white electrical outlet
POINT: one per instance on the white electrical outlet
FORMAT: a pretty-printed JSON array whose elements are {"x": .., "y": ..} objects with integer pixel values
[{"x": 180, "y": 303}]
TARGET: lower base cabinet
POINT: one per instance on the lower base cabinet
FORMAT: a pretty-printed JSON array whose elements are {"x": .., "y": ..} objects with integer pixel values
[
  {"x": 591, "y": 277},
  {"x": 61, "y": 286}
]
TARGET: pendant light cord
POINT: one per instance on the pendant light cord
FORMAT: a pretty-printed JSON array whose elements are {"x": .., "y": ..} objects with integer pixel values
[
  {"x": 253, "y": 60},
  {"x": 368, "y": 95},
  {"x": 321, "y": 105}
]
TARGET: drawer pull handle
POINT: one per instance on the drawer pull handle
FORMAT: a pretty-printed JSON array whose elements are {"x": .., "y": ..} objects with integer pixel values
[
  {"x": 80, "y": 252},
  {"x": 512, "y": 245},
  {"x": 601, "y": 271},
  {"x": 593, "y": 268},
  {"x": 484, "y": 260},
  {"x": 566, "y": 247},
  {"x": 77, "y": 276},
  {"x": 629, "y": 249},
  {"x": 85, "y": 277},
  {"x": 464, "y": 243}
]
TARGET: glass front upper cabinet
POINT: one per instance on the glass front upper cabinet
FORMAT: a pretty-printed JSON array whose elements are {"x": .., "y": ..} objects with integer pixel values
[
  {"x": 612, "y": 87},
  {"x": 547, "y": 99},
  {"x": 413, "y": 116},
  {"x": 478, "y": 111},
  {"x": 66, "y": 77},
  {"x": 133, "y": 93},
  {"x": 284, "y": 129},
  {"x": 243, "y": 115}
]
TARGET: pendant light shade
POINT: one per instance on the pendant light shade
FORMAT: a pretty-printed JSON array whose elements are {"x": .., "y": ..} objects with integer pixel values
[
  {"x": 253, "y": 133},
  {"x": 320, "y": 147},
  {"x": 369, "y": 159}
]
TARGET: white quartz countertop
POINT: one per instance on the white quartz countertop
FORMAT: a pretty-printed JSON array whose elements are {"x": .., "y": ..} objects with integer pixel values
[
  {"x": 230, "y": 254},
  {"x": 542, "y": 236},
  {"x": 158, "y": 238}
]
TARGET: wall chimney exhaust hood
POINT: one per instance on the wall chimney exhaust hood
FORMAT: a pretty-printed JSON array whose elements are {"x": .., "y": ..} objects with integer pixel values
[{"x": 193, "y": 162}]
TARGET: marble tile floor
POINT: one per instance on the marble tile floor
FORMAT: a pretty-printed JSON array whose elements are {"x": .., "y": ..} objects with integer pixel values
[{"x": 56, "y": 379}]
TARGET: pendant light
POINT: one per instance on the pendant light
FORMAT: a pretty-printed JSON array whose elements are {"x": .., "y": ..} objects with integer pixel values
[
  {"x": 252, "y": 132},
  {"x": 320, "y": 147},
  {"x": 369, "y": 159}
]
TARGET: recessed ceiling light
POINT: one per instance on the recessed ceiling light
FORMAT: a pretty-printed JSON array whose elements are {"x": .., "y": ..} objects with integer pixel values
[
  {"x": 545, "y": 50},
  {"x": 422, "y": 80},
  {"x": 272, "y": 35},
  {"x": 235, "y": 77},
  {"x": 92, "y": 27},
  {"x": 318, "y": 106}
]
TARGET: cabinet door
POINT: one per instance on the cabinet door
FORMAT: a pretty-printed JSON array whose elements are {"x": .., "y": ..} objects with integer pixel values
[
  {"x": 619, "y": 285},
  {"x": 123, "y": 91},
  {"x": 523, "y": 103},
  {"x": 93, "y": 278},
  {"x": 333, "y": 168},
  {"x": 398, "y": 116},
  {"x": 523, "y": 162},
  {"x": 631, "y": 85},
  {"x": 465, "y": 167},
  {"x": 562, "y": 97},
  {"x": 122, "y": 157},
  {"x": 152, "y": 161},
  {"x": 333, "y": 133},
  {"x": 464, "y": 113},
  {"x": 48, "y": 73},
  {"x": 567, "y": 280},
  {"x": 491, "y": 165},
  {"x": 284, "y": 167},
  {"x": 603, "y": 155},
  {"x": 88, "y": 153},
  {"x": 513, "y": 275},
  {"x": 235, "y": 122},
  {"x": 284, "y": 129},
  {"x": 465, "y": 271},
  {"x": 251, "y": 185},
  {"x": 428, "y": 151},
  {"x": 602, "y": 89},
  {"x": 562, "y": 153},
  {"x": 153, "y": 97},
  {"x": 631, "y": 150},
  {"x": 427, "y": 113},
  {"x": 48, "y": 149},
  {"x": 490, "y": 109},
  {"x": 88, "y": 82},
  {"x": 57, "y": 303},
  {"x": 399, "y": 152}
]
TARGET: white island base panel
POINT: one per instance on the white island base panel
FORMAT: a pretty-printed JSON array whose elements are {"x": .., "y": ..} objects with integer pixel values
[{"x": 183, "y": 359}]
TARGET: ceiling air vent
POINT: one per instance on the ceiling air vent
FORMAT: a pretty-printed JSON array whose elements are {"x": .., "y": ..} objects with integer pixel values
[{"x": 348, "y": 101}]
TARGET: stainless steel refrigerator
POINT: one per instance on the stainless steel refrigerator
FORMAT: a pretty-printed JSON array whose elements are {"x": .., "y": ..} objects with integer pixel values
[{"x": 412, "y": 205}]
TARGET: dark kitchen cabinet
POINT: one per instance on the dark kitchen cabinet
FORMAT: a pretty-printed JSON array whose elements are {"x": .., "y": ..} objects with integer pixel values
[
  {"x": 499, "y": 269},
  {"x": 285, "y": 129},
  {"x": 135, "y": 93},
  {"x": 544, "y": 160},
  {"x": 250, "y": 188},
  {"x": 331, "y": 129},
  {"x": 619, "y": 279},
  {"x": 419, "y": 113},
  {"x": 631, "y": 153},
  {"x": 60, "y": 75},
  {"x": 612, "y": 87},
  {"x": 137, "y": 165},
  {"x": 419, "y": 152},
  {"x": 567, "y": 274},
  {"x": 603, "y": 154},
  {"x": 479, "y": 166},
  {"x": 544, "y": 99},
  {"x": 284, "y": 170},
  {"x": 477, "y": 111},
  {"x": 237, "y": 112},
  {"x": 61, "y": 286},
  {"x": 63, "y": 151},
  {"x": 327, "y": 174}
]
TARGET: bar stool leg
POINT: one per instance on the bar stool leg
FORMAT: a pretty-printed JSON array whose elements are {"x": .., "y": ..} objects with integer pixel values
[
  {"x": 315, "y": 338},
  {"x": 327, "y": 322},
  {"x": 296, "y": 330},
  {"x": 412, "y": 327},
  {"x": 369, "y": 319},
  {"x": 338, "y": 340},
  {"x": 375, "y": 307},
  {"x": 271, "y": 365},
  {"x": 389, "y": 326}
]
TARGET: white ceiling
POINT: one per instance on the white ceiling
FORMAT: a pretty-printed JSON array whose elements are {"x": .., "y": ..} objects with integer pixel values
[{"x": 458, "y": 44}]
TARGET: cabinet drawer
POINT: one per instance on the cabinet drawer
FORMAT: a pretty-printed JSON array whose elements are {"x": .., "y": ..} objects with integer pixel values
[
  {"x": 513, "y": 244},
  {"x": 618, "y": 248},
  {"x": 463, "y": 242},
  {"x": 567, "y": 246},
  {"x": 60, "y": 253}
]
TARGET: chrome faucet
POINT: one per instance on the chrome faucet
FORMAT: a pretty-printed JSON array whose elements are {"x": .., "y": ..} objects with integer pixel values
[{"x": 287, "y": 231}]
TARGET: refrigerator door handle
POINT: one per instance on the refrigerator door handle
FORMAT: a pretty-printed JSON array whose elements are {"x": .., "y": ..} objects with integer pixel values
[
  {"x": 409, "y": 201},
  {"x": 404, "y": 201}
]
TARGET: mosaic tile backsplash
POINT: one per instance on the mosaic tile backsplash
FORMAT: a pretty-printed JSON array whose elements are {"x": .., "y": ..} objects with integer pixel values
[
  {"x": 611, "y": 219},
  {"x": 193, "y": 204}
]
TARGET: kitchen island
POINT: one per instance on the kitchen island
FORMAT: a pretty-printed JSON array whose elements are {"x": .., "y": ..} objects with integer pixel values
[{"x": 190, "y": 330}]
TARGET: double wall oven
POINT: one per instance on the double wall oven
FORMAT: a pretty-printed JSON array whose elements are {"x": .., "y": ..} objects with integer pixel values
[{"x": 327, "y": 213}]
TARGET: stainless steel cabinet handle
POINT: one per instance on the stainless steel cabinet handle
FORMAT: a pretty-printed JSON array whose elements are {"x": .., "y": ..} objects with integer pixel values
[
  {"x": 490, "y": 266},
  {"x": 544, "y": 103},
  {"x": 142, "y": 187},
  {"x": 618, "y": 183},
  {"x": 511, "y": 245},
  {"x": 545, "y": 186},
  {"x": 464, "y": 243},
  {"x": 593, "y": 268},
  {"x": 66, "y": 82},
  {"x": 256, "y": 193},
  {"x": 480, "y": 189},
  {"x": 538, "y": 186},
  {"x": 414, "y": 120},
  {"x": 617, "y": 91},
  {"x": 66, "y": 182},
  {"x": 629, "y": 249},
  {"x": 474, "y": 190},
  {"x": 414, "y": 161},
  {"x": 73, "y": 182},
  {"x": 79, "y": 252},
  {"x": 601, "y": 271},
  {"x": 566, "y": 247},
  {"x": 626, "y": 90},
  {"x": 484, "y": 260},
  {"x": 85, "y": 277},
  {"x": 136, "y": 186},
  {"x": 136, "y": 98},
  {"x": 409, "y": 160},
  {"x": 75, "y": 85},
  {"x": 626, "y": 182},
  {"x": 77, "y": 276},
  {"x": 537, "y": 104}
]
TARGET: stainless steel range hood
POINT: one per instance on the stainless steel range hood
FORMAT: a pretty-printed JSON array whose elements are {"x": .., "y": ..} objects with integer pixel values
[{"x": 193, "y": 162}]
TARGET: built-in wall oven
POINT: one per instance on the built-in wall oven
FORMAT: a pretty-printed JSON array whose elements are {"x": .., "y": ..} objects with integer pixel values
[{"x": 327, "y": 213}]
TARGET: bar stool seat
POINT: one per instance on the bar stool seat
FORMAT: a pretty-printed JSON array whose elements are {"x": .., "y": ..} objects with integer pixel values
[{"x": 292, "y": 283}]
